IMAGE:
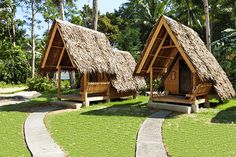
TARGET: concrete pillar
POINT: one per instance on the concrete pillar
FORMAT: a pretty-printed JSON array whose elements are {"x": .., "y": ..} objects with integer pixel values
[
  {"x": 108, "y": 100},
  {"x": 195, "y": 106}
]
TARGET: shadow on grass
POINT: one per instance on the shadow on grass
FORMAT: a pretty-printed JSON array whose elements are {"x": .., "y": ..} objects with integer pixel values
[
  {"x": 29, "y": 105},
  {"x": 226, "y": 116},
  {"x": 134, "y": 109}
]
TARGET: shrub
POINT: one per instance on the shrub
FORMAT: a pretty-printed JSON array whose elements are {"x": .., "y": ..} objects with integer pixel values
[
  {"x": 14, "y": 66},
  {"x": 40, "y": 84}
]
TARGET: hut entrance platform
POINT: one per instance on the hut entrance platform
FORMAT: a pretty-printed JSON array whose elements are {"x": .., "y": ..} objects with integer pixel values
[
  {"x": 178, "y": 100},
  {"x": 92, "y": 91}
]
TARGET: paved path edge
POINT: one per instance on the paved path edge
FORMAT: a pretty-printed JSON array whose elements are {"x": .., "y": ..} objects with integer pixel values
[
  {"x": 37, "y": 138},
  {"x": 149, "y": 142}
]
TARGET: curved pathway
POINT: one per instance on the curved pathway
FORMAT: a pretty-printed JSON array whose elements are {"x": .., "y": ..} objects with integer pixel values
[
  {"x": 37, "y": 137},
  {"x": 149, "y": 140},
  {"x": 16, "y": 98}
]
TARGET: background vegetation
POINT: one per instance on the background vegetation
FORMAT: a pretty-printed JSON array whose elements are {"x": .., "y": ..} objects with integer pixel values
[{"x": 127, "y": 28}]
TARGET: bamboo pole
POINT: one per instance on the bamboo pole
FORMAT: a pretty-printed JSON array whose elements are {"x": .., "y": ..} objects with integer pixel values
[
  {"x": 151, "y": 82},
  {"x": 59, "y": 82}
]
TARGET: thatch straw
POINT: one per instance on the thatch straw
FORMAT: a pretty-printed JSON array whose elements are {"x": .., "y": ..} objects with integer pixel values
[
  {"x": 124, "y": 80},
  {"x": 90, "y": 50}
]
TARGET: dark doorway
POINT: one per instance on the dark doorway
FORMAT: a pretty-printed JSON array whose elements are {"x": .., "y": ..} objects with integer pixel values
[{"x": 185, "y": 83}]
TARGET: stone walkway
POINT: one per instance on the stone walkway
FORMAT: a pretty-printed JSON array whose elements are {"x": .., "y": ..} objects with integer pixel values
[
  {"x": 16, "y": 98},
  {"x": 37, "y": 137},
  {"x": 149, "y": 140},
  {"x": 11, "y": 89}
]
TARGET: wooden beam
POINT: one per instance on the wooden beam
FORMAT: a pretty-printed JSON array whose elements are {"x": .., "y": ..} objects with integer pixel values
[
  {"x": 67, "y": 67},
  {"x": 59, "y": 82},
  {"x": 151, "y": 82},
  {"x": 161, "y": 68},
  {"x": 169, "y": 70},
  {"x": 62, "y": 53},
  {"x": 157, "y": 52},
  {"x": 49, "y": 45},
  {"x": 50, "y": 66},
  {"x": 171, "y": 58},
  {"x": 168, "y": 47},
  {"x": 149, "y": 45},
  {"x": 165, "y": 57},
  {"x": 154, "y": 70},
  {"x": 180, "y": 49},
  {"x": 73, "y": 64},
  {"x": 58, "y": 47}
]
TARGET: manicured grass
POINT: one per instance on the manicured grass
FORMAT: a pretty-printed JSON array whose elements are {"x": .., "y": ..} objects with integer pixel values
[
  {"x": 11, "y": 134},
  {"x": 209, "y": 133},
  {"x": 102, "y": 130},
  {"x": 12, "y": 118},
  {"x": 5, "y": 85}
]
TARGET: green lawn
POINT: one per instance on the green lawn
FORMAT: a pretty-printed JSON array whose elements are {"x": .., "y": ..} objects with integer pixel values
[
  {"x": 209, "y": 133},
  {"x": 102, "y": 130},
  {"x": 11, "y": 134},
  {"x": 12, "y": 118},
  {"x": 5, "y": 85}
]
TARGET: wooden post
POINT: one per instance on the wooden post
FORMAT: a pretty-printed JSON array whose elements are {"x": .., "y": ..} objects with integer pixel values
[
  {"x": 151, "y": 82},
  {"x": 207, "y": 103},
  {"x": 108, "y": 94},
  {"x": 85, "y": 94},
  {"x": 47, "y": 75},
  {"x": 59, "y": 83},
  {"x": 193, "y": 81}
]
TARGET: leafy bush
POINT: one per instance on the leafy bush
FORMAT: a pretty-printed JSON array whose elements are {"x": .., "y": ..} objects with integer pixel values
[
  {"x": 14, "y": 66},
  {"x": 224, "y": 50},
  {"x": 40, "y": 84}
]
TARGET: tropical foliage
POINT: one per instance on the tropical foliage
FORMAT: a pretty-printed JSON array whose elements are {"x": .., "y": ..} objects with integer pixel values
[{"x": 127, "y": 28}]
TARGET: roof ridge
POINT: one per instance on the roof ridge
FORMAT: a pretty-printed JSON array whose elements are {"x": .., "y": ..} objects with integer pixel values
[{"x": 81, "y": 27}]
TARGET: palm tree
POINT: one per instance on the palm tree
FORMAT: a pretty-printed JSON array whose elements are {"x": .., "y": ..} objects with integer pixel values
[
  {"x": 194, "y": 14},
  {"x": 95, "y": 14},
  {"x": 207, "y": 23},
  {"x": 145, "y": 13}
]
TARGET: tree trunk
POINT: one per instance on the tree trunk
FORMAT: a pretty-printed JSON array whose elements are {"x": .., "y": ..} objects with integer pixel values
[
  {"x": 234, "y": 15},
  {"x": 33, "y": 38},
  {"x": 62, "y": 12},
  {"x": 9, "y": 29},
  {"x": 13, "y": 33},
  {"x": 189, "y": 16},
  {"x": 13, "y": 9},
  {"x": 208, "y": 32},
  {"x": 95, "y": 14}
]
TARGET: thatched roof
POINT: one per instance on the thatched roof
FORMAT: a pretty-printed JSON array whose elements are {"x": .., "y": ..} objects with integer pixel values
[
  {"x": 124, "y": 79},
  {"x": 89, "y": 51},
  {"x": 189, "y": 42}
]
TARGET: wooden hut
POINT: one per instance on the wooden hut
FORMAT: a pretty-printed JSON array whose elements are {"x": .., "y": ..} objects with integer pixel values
[
  {"x": 175, "y": 54},
  {"x": 105, "y": 73}
]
